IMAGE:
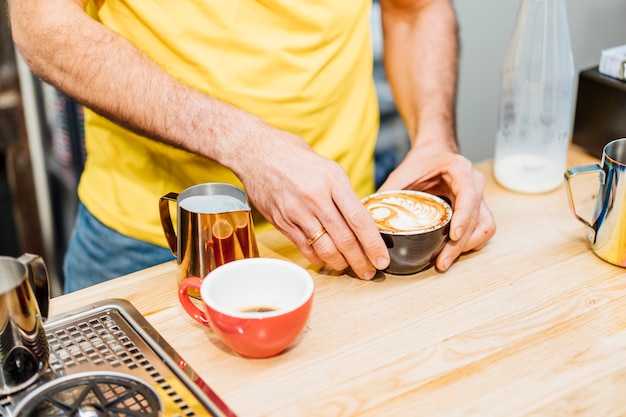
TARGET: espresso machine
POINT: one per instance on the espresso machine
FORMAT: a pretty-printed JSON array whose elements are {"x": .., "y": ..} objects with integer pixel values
[{"x": 100, "y": 360}]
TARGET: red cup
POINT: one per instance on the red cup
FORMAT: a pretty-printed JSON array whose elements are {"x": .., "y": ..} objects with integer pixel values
[{"x": 256, "y": 306}]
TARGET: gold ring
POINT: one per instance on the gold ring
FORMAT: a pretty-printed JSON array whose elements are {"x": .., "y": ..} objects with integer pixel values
[{"x": 316, "y": 236}]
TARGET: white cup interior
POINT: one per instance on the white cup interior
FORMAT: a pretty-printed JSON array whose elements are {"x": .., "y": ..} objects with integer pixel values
[{"x": 257, "y": 282}]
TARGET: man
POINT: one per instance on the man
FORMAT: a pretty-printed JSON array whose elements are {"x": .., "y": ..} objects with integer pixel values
[{"x": 276, "y": 96}]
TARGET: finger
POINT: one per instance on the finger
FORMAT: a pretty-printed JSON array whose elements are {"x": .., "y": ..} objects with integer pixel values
[
  {"x": 316, "y": 236},
  {"x": 344, "y": 248},
  {"x": 484, "y": 231},
  {"x": 299, "y": 238},
  {"x": 475, "y": 239},
  {"x": 467, "y": 212},
  {"x": 338, "y": 247},
  {"x": 323, "y": 247},
  {"x": 450, "y": 252},
  {"x": 343, "y": 241},
  {"x": 310, "y": 238},
  {"x": 363, "y": 233},
  {"x": 468, "y": 192}
]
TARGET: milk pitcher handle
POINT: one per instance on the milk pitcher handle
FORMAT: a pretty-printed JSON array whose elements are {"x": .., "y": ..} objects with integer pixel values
[
  {"x": 583, "y": 169},
  {"x": 38, "y": 276},
  {"x": 166, "y": 220}
]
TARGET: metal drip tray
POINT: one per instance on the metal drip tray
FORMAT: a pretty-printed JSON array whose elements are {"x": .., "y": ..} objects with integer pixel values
[{"x": 110, "y": 351}]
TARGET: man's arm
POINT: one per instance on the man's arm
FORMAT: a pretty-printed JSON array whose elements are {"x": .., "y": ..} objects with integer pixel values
[
  {"x": 420, "y": 56},
  {"x": 105, "y": 72},
  {"x": 420, "y": 53},
  {"x": 296, "y": 189}
]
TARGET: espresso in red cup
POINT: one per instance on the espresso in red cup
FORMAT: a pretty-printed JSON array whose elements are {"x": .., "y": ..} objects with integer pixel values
[
  {"x": 414, "y": 226},
  {"x": 257, "y": 307}
]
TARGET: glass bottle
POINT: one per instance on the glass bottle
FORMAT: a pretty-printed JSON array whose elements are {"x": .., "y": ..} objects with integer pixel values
[{"x": 534, "y": 118}]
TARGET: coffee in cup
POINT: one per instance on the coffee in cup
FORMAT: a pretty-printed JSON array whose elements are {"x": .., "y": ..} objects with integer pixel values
[
  {"x": 414, "y": 226},
  {"x": 257, "y": 306}
]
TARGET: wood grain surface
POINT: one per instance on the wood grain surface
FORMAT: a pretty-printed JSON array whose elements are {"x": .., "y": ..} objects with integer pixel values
[{"x": 534, "y": 324}]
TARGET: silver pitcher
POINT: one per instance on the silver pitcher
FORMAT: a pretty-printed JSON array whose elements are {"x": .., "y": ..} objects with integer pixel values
[
  {"x": 607, "y": 231},
  {"x": 24, "y": 350},
  {"x": 209, "y": 235}
]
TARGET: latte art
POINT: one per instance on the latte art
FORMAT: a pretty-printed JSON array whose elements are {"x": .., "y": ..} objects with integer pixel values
[{"x": 398, "y": 212}]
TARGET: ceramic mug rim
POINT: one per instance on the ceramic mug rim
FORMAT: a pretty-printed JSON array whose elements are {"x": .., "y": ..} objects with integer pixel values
[
  {"x": 296, "y": 271},
  {"x": 424, "y": 194}
]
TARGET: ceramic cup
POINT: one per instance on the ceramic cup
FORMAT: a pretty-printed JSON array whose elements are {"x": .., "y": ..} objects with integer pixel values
[
  {"x": 414, "y": 226},
  {"x": 257, "y": 306}
]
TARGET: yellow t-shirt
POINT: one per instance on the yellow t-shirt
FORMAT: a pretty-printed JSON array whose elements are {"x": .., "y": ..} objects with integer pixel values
[{"x": 305, "y": 67}]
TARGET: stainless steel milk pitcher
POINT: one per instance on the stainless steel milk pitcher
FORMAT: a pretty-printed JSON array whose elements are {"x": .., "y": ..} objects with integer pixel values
[
  {"x": 214, "y": 227},
  {"x": 607, "y": 231},
  {"x": 24, "y": 348}
]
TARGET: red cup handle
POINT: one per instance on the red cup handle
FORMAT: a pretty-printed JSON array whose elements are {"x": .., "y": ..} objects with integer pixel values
[{"x": 183, "y": 295}]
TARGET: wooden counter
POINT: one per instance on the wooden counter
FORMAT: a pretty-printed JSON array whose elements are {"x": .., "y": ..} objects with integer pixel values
[{"x": 533, "y": 324}]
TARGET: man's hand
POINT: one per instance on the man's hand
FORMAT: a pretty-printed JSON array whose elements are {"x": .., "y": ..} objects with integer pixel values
[
  {"x": 448, "y": 174},
  {"x": 303, "y": 193}
]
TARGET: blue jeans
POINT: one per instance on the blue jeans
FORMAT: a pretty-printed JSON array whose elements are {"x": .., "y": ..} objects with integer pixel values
[{"x": 97, "y": 253}]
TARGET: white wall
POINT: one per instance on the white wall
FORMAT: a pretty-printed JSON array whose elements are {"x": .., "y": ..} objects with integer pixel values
[{"x": 485, "y": 27}]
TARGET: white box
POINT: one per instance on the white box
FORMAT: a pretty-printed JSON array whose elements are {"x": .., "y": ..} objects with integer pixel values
[{"x": 613, "y": 62}]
